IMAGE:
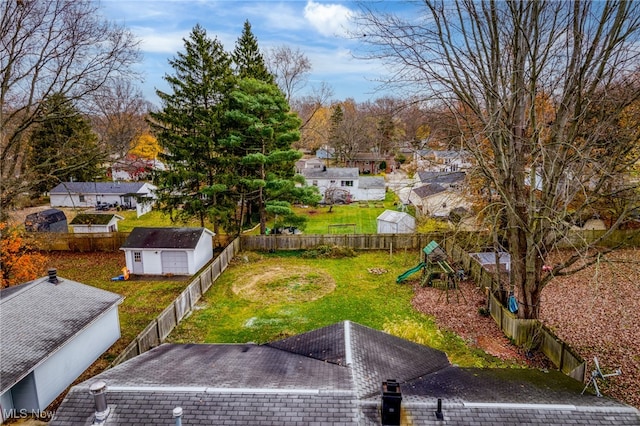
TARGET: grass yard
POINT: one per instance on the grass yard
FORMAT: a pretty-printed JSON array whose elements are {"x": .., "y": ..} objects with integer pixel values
[
  {"x": 362, "y": 214},
  {"x": 265, "y": 297},
  {"x": 143, "y": 300}
]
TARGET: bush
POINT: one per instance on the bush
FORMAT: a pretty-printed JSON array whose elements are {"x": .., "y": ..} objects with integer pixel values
[{"x": 332, "y": 252}]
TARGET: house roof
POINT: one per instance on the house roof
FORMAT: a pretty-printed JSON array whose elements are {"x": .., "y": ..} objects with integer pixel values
[
  {"x": 428, "y": 190},
  {"x": 39, "y": 317},
  {"x": 393, "y": 216},
  {"x": 332, "y": 375},
  {"x": 164, "y": 238},
  {"x": 371, "y": 182},
  {"x": 94, "y": 218},
  {"x": 98, "y": 188},
  {"x": 441, "y": 177},
  {"x": 331, "y": 172}
]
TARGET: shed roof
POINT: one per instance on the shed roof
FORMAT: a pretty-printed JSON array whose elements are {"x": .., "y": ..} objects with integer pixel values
[
  {"x": 94, "y": 218},
  {"x": 167, "y": 238},
  {"x": 332, "y": 375},
  {"x": 39, "y": 317},
  {"x": 393, "y": 216},
  {"x": 98, "y": 188}
]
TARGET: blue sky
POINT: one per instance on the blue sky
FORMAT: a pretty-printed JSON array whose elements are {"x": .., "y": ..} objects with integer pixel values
[{"x": 318, "y": 28}]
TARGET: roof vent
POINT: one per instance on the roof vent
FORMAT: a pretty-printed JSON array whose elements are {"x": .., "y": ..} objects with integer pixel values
[
  {"x": 391, "y": 399},
  {"x": 438, "y": 411},
  {"x": 99, "y": 392},
  {"x": 53, "y": 276},
  {"x": 177, "y": 414}
]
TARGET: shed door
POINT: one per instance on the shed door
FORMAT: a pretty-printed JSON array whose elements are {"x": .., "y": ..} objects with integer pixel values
[{"x": 175, "y": 262}]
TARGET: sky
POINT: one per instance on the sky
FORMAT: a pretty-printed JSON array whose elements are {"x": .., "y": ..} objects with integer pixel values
[{"x": 318, "y": 28}]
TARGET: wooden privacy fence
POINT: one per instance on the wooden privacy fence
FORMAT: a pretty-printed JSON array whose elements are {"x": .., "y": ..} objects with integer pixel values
[
  {"x": 112, "y": 241},
  {"x": 163, "y": 324},
  {"x": 529, "y": 333},
  {"x": 354, "y": 241},
  {"x": 79, "y": 242}
]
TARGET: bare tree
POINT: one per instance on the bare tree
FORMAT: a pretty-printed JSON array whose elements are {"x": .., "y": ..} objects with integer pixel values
[
  {"x": 47, "y": 47},
  {"x": 290, "y": 67},
  {"x": 527, "y": 83},
  {"x": 118, "y": 115}
]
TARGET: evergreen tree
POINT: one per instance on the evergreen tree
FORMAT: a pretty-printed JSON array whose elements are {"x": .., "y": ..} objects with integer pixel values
[
  {"x": 261, "y": 132},
  {"x": 188, "y": 126},
  {"x": 63, "y": 147},
  {"x": 247, "y": 58}
]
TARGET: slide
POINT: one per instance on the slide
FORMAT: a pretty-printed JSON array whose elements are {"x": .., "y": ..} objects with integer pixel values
[{"x": 411, "y": 271}]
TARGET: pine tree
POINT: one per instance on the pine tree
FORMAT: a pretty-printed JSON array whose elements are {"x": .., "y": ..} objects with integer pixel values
[
  {"x": 247, "y": 58},
  {"x": 63, "y": 147},
  {"x": 188, "y": 126},
  {"x": 261, "y": 131}
]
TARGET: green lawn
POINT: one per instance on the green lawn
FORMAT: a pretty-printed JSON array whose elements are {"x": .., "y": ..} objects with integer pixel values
[{"x": 371, "y": 299}]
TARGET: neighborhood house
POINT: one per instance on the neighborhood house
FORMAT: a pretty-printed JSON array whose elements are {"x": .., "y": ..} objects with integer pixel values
[
  {"x": 52, "y": 330},
  {"x": 343, "y": 184},
  {"x": 341, "y": 374},
  {"x": 167, "y": 251},
  {"x": 127, "y": 195}
]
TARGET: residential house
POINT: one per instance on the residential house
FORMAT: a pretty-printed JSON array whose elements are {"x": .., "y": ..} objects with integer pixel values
[
  {"x": 52, "y": 329},
  {"x": 92, "y": 223},
  {"x": 345, "y": 184},
  {"x": 326, "y": 153},
  {"x": 393, "y": 222},
  {"x": 128, "y": 195},
  {"x": 443, "y": 160},
  {"x": 132, "y": 168},
  {"x": 309, "y": 164},
  {"x": 167, "y": 251},
  {"x": 439, "y": 194},
  {"x": 372, "y": 163},
  {"x": 342, "y": 374}
]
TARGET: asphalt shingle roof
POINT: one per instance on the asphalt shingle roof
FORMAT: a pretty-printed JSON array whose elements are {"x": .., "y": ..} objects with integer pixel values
[
  {"x": 166, "y": 238},
  {"x": 371, "y": 182},
  {"x": 97, "y": 188},
  {"x": 441, "y": 177},
  {"x": 38, "y": 317},
  {"x": 428, "y": 190},
  {"x": 331, "y": 376},
  {"x": 331, "y": 172}
]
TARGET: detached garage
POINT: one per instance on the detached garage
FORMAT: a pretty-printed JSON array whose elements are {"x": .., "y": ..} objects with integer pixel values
[
  {"x": 168, "y": 251},
  {"x": 392, "y": 222}
]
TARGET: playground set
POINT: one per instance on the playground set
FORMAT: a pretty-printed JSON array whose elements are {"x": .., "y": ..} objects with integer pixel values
[{"x": 436, "y": 271}]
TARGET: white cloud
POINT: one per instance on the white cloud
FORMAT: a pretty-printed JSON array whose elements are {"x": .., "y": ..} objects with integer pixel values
[{"x": 328, "y": 19}]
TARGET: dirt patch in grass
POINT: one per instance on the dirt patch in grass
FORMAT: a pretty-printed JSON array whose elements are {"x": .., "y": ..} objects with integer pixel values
[{"x": 277, "y": 284}]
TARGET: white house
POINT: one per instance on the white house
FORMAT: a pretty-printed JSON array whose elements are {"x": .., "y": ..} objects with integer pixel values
[
  {"x": 92, "y": 194},
  {"x": 52, "y": 330},
  {"x": 90, "y": 223},
  {"x": 164, "y": 251},
  {"x": 443, "y": 160},
  {"x": 392, "y": 222},
  {"x": 345, "y": 180}
]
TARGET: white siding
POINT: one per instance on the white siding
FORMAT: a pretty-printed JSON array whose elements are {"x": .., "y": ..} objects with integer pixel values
[
  {"x": 64, "y": 366},
  {"x": 203, "y": 252}
]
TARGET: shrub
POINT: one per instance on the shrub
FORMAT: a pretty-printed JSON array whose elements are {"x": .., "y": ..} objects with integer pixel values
[{"x": 326, "y": 251}]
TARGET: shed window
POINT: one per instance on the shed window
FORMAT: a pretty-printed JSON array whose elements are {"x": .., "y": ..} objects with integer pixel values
[
  {"x": 81, "y": 197},
  {"x": 137, "y": 256}
]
